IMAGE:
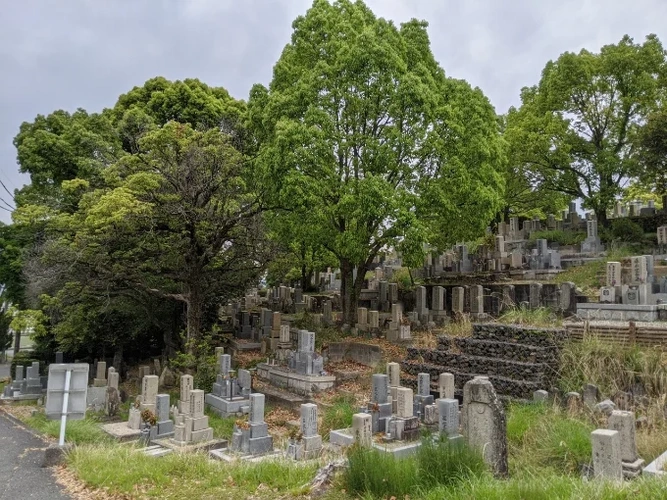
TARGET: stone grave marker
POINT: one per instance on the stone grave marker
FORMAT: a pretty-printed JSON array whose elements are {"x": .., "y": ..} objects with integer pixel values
[
  {"x": 607, "y": 454},
  {"x": 362, "y": 429},
  {"x": 446, "y": 386},
  {"x": 484, "y": 424}
]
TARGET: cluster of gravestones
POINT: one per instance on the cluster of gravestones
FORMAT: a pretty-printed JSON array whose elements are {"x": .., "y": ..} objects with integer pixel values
[
  {"x": 637, "y": 285},
  {"x": 27, "y": 383},
  {"x": 395, "y": 415}
]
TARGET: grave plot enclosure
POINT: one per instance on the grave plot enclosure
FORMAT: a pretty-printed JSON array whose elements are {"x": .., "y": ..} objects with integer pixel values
[{"x": 517, "y": 360}]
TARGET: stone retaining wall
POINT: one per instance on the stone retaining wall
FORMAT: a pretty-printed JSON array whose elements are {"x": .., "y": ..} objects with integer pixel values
[{"x": 518, "y": 360}]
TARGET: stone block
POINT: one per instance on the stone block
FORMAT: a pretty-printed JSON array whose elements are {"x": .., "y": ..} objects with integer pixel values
[
  {"x": 404, "y": 402},
  {"x": 607, "y": 454},
  {"x": 362, "y": 429},
  {"x": 260, "y": 445},
  {"x": 446, "y": 386}
]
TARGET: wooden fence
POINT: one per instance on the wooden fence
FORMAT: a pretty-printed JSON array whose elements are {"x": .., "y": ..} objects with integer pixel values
[{"x": 620, "y": 332}]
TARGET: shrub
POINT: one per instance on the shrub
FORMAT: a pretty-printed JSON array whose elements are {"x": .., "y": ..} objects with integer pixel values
[
  {"x": 22, "y": 358},
  {"x": 623, "y": 229},
  {"x": 402, "y": 277},
  {"x": 561, "y": 237}
]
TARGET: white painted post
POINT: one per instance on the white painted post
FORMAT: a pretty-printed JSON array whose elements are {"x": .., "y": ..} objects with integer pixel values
[{"x": 63, "y": 418}]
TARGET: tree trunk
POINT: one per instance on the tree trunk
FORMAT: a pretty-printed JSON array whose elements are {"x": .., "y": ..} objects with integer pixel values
[
  {"x": 347, "y": 291},
  {"x": 193, "y": 318},
  {"x": 601, "y": 216},
  {"x": 17, "y": 342}
]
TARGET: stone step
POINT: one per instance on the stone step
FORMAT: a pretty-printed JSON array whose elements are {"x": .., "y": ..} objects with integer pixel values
[
  {"x": 538, "y": 337},
  {"x": 504, "y": 386},
  {"x": 156, "y": 451},
  {"x": 507, "y": 350},
  {"x": 463, "y": 363}
]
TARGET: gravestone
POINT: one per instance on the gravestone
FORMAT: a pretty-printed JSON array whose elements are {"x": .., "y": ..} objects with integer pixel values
[
  {"x": 484, "y": 424},
  {"x": 591, "y": 395},
  {"x": 310, "y": 444},
  {"x": 458, "y": 300},
  {"x": 535, "y": 295},
  {"x": 624, "y": 423},
  {"x": 446, "y": 387},
  {"x": 607, "y": 454},
  {"x": 613, "y": 277},
  {"x": 424, "y": 384},
  {"x": 448, "y": 410},
  {"x": 164, "y": 427},
  {"x": 540, "y": 396},
  {"x": 259, "y": 442},
  {"x": 477, "y": 299},
  {"x": 362, "y": 429},
  {"x": 100, "y": 377},
  {"x": 149, "y": 389},
  {"x": 59, "y": 357},
  {"x": 191, "y": 426},
  {"x": 404, "y": 402},
  {"x": 380, "y": 388}
]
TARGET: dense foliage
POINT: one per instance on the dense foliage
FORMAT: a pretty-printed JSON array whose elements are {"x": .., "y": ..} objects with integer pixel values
[{"x": 140, "y": 220}]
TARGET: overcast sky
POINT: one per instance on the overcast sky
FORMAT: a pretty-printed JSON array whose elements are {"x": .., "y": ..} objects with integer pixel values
[{"x": 65, "y": 54}]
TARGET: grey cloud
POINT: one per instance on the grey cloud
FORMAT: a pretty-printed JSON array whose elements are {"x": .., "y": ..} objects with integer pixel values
[{"x": 84, "y": 53}]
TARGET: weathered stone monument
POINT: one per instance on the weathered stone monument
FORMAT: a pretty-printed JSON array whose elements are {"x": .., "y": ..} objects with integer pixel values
[
  {"x": 230, "y": 395},
  {"x": 253, "y": 438},
  {"x": 309, "y": 445},
  {"x": 191, "y": 425},
  {"x": 607, "y": 454},
  {"x": 624, "y": 423},
  {"x": 484, "y": 424}
]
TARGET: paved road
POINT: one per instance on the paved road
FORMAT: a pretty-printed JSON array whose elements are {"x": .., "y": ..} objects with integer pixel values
[{"x": 21, "y": 472}]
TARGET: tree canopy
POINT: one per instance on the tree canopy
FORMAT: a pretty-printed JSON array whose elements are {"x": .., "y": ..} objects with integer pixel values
[
  {"x": 365, "y": 140},
  {"x": 576, "y": 130}
]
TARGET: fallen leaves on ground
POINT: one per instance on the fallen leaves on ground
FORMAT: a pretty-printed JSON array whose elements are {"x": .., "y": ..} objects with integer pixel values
[{"x": 78, "y": 490}]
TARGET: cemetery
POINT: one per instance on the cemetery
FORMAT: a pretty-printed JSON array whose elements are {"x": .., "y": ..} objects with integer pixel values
[{"x": 360, "y": 282}]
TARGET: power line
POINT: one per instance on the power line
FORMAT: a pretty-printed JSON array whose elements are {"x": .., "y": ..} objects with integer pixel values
[{"x": 8, "y": 192}]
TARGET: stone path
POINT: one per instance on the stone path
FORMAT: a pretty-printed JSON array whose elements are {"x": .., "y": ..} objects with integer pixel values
[{"x": 21, "y": 472}]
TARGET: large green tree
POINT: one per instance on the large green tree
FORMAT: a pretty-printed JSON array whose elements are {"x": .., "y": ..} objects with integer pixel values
[
  {"x": 364, "y": 141},
  {"x": 175, "y": 220},
  {"x": 576, "y": 129},
  {"x": 653, "y": 153},
  {"x": 139, "y": 216}
]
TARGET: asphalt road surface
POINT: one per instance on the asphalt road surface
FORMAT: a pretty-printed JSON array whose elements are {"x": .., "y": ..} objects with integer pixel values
[{"x": 21, "y": 455}]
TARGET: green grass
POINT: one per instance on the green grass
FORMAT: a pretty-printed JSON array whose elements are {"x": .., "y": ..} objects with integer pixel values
[
  {"x": 222, "y": 427},
  {"x": 86, "y": 431},
  {"x": 550, "y": 486},
  {"x": 338, "y": 415},
  {"x": 121, "y": 470},
  {"x": 541, "y": 316},
  {"x": 545, "y": 437},
  {"x": 591, "y": 275},
  {"x": 376, "y": 474}
]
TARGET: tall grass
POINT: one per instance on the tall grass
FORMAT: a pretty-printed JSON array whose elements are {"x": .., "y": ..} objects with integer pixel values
[
  {"x": 222, "y": 427},
  {"x": 338, "y": 415},
  {"x": 544, "y": 436},
  {"x": 376, "y": 474},
  {"x": 123, "y": 471},
  {"x": 612, "y": 367},
  {"x": 550, "y": 486},
  {"x": 521, "y": 315},
  {"x": 84, "y": 431}
]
